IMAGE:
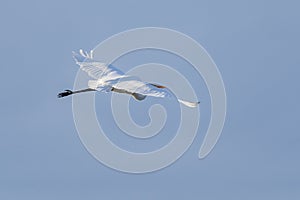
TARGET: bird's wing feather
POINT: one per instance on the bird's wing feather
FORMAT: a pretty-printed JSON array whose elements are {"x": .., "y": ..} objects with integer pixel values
[
  {"x": 148, "y": 89},
  {"x": 95, "y": 69},
  {"x": 136, "y": 86}
]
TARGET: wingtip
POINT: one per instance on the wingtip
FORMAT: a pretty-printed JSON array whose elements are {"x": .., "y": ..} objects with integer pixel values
[
  {"x": 92, "y": 54},
  {"x": 82, "y": 52}
]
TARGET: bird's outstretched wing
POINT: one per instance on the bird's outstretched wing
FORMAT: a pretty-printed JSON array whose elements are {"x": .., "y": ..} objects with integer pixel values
[
  {"x": 143, "y": 89},
  {"x": 97, "y": 70},
  {"x": 140, "y": 87}
]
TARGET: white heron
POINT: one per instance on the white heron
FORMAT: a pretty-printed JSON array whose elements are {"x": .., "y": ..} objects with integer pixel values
[{"x": 107, "y": 78}]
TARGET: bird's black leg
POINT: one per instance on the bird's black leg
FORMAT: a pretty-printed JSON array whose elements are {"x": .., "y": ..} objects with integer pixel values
[
  {"x": 69, "y": 92},
  {"x": 65, "y": 93}
]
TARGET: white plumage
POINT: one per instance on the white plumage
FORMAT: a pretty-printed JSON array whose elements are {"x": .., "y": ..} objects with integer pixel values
[{"x": 107, "y": 78}]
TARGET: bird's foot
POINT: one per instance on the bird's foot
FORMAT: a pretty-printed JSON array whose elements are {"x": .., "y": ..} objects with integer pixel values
[{"x": 65, "y": 93}]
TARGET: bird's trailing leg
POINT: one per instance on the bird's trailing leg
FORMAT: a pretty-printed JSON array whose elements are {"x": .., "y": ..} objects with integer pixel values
[
  {"x": 65, "y": 93},
  {"x": 70, "y": 92}
]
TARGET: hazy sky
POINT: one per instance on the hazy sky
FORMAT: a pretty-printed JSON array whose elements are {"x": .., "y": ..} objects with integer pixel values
[{"x": 255, "y": 44}]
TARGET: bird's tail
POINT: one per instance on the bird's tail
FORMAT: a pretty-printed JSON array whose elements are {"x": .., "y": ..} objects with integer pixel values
[{"x": 189, "y": 104}]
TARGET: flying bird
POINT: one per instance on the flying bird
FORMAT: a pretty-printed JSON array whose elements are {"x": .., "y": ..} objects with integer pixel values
[{"x": 107, "y": 78}]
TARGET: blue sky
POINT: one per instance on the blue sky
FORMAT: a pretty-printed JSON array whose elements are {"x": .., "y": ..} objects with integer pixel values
[{"x": 255, "y": 44}]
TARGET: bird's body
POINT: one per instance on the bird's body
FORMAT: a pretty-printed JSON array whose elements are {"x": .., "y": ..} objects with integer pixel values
[{"x": 107, "y": 78}]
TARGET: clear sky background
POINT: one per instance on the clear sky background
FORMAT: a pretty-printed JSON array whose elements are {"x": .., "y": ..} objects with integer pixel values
[{"x": 256, "y": 47}]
